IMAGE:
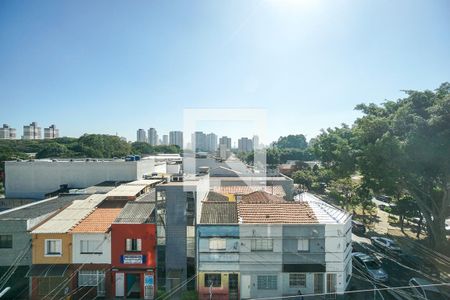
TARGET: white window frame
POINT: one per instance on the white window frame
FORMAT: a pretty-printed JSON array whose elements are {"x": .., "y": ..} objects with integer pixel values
[
  {"x": 262, "y": 244},
  {"x": 53, "y": 253},
  {"x": 129, "y": 245},
  {"x": 268, "y": 283},
  {"x": 94, "y": 249},
  {"x": 297, "y": 282},
  {"x": 217, "y": 244},
  {"x": 92, "y": 278},
  {"x": 303, "y": 245}
]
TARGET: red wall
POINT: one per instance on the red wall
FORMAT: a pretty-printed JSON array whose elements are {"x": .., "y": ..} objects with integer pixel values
[{"x": 145, "y": 232}]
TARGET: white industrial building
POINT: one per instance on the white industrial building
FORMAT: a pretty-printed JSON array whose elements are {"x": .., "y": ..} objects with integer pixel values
[{"x": 35, "y": 178}]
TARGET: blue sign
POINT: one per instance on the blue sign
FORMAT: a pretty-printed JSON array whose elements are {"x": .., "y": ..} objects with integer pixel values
[{"x": 148, "y": 280}]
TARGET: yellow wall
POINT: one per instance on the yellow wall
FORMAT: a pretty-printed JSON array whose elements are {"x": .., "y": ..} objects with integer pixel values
[
  {"x": 224, "y": 280},
  {"x": 38, "y": 246}
]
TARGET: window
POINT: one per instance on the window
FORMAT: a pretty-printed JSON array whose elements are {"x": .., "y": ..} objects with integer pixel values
[
  {"x": 303, "y": 245},
  {"x": 47, "y": 286},
  {"x": 134, "y": 245},
  {"x": 90, "y": 277},
  {"x": 214, "y": 280},
  {"x": 53, "y": 248},
  {"x": 217, "y": 244},
  {"x": 262, "y": 245},
  {"x": 90, "y": 247},
  {"x": 5, "y": 241},
  {"x": 331, "y": 283},
  {"x": 297, "y": 280},
  {"x": 267, "y": 282}
]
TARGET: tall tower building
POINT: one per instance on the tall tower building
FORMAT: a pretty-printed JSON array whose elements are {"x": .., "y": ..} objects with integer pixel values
[
  {"x": 141, "y": 136},
  {"x": 176, "y": 138},
  {"x": 225, "y": 141},
  {"x": 7, "y": 133},
  {"x": 199, "y": 141},
  {"x": 31, "y": 132},
  {"x": 153, "y": 137},
  {"x": 245, "y": 145},
  {"x": 51, "y": 132},
  {"x": 211, "y": 142},
  {"x": 165, "y": 139}
]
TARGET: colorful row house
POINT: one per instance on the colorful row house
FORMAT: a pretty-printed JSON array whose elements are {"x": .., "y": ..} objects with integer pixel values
[
  {"x": 262, "y": 246},
  {"x": 102, "y": 246},
  {"x": 52, "y": 271},
  {"x": 134, "y": 251}
]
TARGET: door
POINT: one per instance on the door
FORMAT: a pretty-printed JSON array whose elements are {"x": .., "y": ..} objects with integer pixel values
[
  {"x": 233, "y": 286},
  {"x": 120, "y": 284},
  {"x": 245, "y": 286},
  {"x": 318, "y": 283}
]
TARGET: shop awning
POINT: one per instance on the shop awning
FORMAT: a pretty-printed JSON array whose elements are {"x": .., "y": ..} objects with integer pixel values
[{"x": 47, "y": 270}]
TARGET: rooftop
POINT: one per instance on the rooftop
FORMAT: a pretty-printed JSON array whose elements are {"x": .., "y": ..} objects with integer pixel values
[
  {"x": 126, "y": 190},
  {"x": 40, "y": 208},
  {"x": 144, "y": 182},
  {"x": 139, "y": 212},
  {"x": 216, "y": 212},
  {"x": 276, "y": 213},
  {"x": 262, "y": 197},
  {"x": 213, "y": 196},
  {"x": 70, "y": 216},
  {"x": 247, "y": 189},
  {"x": 100, "y": 220},
  {"x": 325, "y": 213}
]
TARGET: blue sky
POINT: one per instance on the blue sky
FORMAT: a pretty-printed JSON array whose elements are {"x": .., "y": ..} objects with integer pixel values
[{"x": 115, "y": 66}]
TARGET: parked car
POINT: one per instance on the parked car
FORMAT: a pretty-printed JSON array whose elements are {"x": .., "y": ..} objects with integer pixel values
[
  {"x": 420, "y": 288},
  {"x": 370, "y": 266},
  {"x": 358, "y": 227},
  {"x": 386, "y": 245},
  {"x": 418, "y": 263}
]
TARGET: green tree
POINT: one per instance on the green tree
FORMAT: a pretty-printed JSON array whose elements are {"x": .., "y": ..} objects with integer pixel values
[
  {"x": 297, "y": 141},
  {"x": 336, "y": 150},
  {"x": 305, "y": 177},
  {"x": 407, "y": 143},
  {"x": 54, "y": 150}
]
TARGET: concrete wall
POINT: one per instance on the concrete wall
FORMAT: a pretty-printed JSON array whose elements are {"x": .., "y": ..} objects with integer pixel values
[
  {"x": 21, "y": 240},
  {"x": 105, "y": 248},
  {"x": 25, "y": 179}
]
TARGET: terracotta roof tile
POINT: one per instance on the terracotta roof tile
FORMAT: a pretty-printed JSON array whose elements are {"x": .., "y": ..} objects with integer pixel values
[
  {"x": 276, "y": 213},
  {"x": 261, "y": 197},
  {"x": 247, "y": 189},
  {"x": 98, "y": 221}
]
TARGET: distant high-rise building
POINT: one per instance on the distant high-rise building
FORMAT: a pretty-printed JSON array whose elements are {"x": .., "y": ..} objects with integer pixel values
[
  {"x": 141, "y": 136},
  {"x": 31, "y": 132},
  {"x": 199, "y": 141},
  {"x": 7, "y": 133},
  {"x": 176, "y": 138},
  {"x": 165, "y": 139},
  {"x": 152, "y": 137},
  {"x": 225, "y": 141},
  {"x": 245, "y": 145},
  {"x": 51, "y": 132},
  {"x": 256, "y": 144},
  {"x": 211, "y": 142}
]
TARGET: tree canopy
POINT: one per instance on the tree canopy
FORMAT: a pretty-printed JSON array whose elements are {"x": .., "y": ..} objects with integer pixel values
[
  {"x": 297, "y": 141},
  {"x": 401, "y": 148}
]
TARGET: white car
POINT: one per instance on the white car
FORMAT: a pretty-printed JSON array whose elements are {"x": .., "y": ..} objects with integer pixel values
[
  {"x": 422, "y": 288},
  {"x": 386, "y": 244},
  {"x": 370, "y": 266}
]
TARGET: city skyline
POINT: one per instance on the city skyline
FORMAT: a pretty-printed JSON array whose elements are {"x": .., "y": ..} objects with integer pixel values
[{"x": 307, "y": 62}]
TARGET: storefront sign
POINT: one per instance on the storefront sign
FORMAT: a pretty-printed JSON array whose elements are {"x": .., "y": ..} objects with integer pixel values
[{"x": 133, "y": 259}]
